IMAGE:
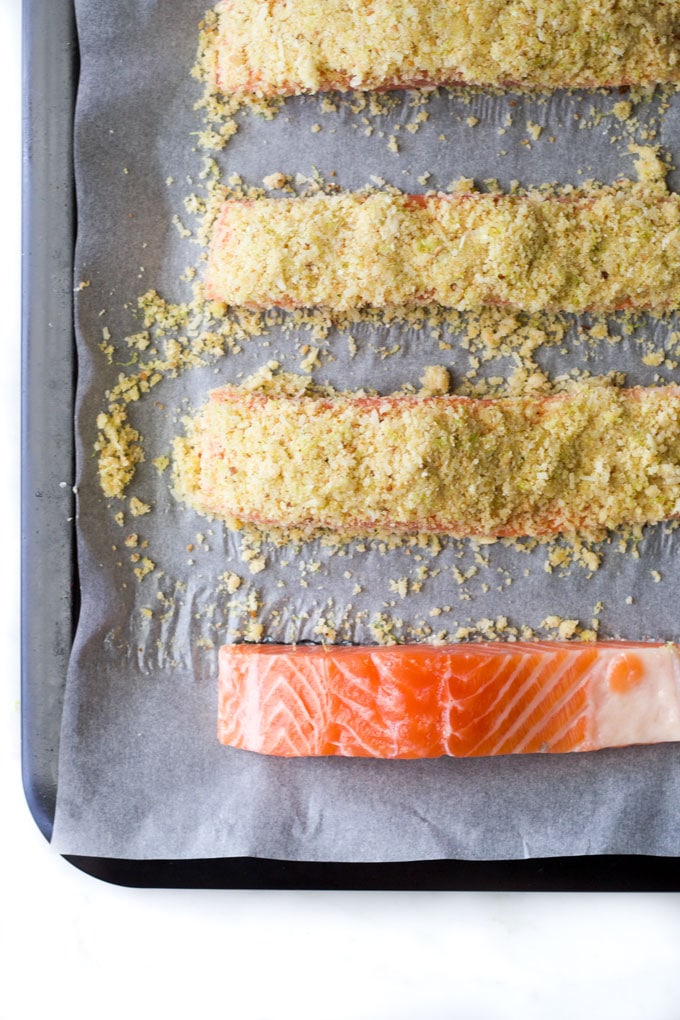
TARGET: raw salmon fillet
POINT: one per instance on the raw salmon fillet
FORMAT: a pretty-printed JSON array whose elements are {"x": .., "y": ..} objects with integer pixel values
[
  {"x": 297, "y": 46},
  {"x": 586, "y": 251},
  {"x": 465, "y": 700}
]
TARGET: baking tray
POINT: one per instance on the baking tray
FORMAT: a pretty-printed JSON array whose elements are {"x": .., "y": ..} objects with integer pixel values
[{"x": 50, "y": 593}]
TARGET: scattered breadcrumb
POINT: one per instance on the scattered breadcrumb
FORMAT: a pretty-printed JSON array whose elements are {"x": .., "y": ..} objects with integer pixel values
[
  {"x": 137, "y": 508},
  {"x": 145, "y": 568},
  {"x": 435, "y": 379},
  {"x": 623, "y": 109},
  {"x": 119, "y": 450},
  {"x": 231, "y": 581},
  {"x": 274, "y": 181}
]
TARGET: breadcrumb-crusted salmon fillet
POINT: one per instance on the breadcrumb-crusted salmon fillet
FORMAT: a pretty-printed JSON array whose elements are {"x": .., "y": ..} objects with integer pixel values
[
  {"x": 596, "y": 250},
  {"x": 595, "y": 457},
  {"x": 297, "y": 46},
  {"x": 420, "y": 701}
]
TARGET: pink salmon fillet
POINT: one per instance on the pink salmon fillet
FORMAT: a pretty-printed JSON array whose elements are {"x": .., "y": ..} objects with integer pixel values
[{"x": 464, "y": 700}]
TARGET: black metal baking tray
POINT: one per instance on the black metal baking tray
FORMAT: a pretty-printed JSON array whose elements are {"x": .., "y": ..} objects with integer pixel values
[{"x": 50, "y": 593}]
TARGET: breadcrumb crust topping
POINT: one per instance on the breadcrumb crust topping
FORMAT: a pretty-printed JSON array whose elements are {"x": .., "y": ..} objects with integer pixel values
[
  {"x": 595, "y": 457},
  {"x": 590, "y": 250},
  {"x": 282, "y": 47}
]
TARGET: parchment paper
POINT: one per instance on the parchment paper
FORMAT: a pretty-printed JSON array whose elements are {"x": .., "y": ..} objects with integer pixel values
[{"x": 141, "y": 774}]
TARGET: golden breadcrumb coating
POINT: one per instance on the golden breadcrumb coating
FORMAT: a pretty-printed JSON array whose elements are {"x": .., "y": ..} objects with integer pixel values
[
  {"x": 293, "y": 46},
  {"x": 590, "y": 250},
  {"x": 594, "y": 457}
]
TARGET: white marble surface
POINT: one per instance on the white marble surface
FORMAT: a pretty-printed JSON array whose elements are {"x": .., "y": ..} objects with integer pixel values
[{"x": 73, "y": 946}]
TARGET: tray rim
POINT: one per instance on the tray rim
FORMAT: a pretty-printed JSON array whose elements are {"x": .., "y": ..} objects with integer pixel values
[
  {"x": 48, "y": 541},
  {"x": 48, "y": 568}
]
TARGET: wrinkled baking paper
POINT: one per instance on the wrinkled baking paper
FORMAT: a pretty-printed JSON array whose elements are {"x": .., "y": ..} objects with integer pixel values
[{"x": 141, "y": 773}]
